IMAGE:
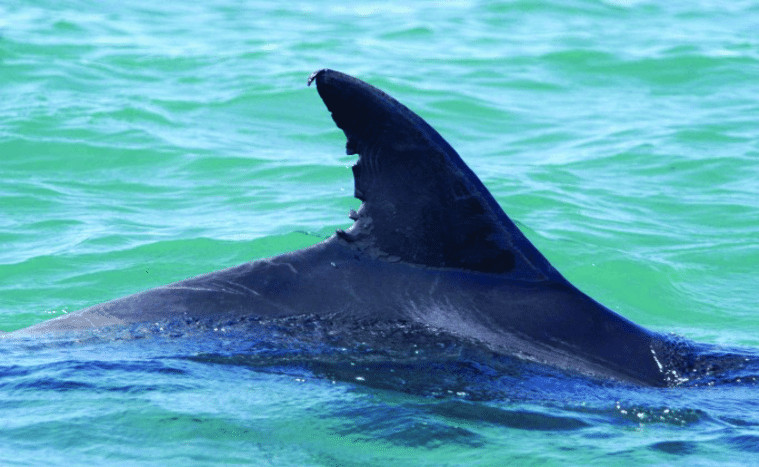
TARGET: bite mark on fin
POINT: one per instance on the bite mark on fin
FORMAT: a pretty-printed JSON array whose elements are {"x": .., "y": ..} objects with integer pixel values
[{"x": 420, "y": 201}]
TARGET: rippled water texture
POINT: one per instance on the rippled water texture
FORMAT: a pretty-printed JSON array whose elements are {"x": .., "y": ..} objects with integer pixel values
[{"x": 146, "y": 142}]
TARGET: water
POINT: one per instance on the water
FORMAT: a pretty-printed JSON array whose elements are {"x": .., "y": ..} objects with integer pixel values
[{"x": 143, "y": 142}]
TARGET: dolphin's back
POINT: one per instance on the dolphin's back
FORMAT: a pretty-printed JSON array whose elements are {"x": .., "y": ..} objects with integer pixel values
[{"x": 429, "y": 245}]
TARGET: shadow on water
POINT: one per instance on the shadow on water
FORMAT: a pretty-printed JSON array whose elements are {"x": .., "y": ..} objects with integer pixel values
[
  {"x": 421, "y": 373},
  {"x": 462, "y": 381}
]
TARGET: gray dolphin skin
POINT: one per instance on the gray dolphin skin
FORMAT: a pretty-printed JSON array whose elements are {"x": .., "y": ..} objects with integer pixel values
[{"x": 429, "y": 245}]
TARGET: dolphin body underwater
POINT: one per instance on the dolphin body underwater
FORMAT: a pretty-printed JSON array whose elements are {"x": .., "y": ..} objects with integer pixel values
[{"x": 429, "y": 245}]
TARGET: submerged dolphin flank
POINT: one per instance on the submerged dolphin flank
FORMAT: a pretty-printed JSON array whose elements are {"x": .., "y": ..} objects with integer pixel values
[{"x": 429, "y": 245}]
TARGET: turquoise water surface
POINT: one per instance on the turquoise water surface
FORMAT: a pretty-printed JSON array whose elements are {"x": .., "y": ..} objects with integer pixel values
[{"x": 145, "y": 142}]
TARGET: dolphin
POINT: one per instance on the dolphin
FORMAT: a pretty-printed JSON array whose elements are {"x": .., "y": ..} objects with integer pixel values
[{"x": 429, "y": 245}]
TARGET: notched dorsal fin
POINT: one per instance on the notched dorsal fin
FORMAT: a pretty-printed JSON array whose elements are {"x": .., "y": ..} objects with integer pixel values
[{"x": 421, "y": 203}]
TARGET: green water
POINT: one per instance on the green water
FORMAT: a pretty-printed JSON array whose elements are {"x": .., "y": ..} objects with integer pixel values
[{"x": 146, "y": 142}]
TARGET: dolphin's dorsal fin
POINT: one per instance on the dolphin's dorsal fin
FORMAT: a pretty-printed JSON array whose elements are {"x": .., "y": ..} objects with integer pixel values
[{"x": 421, "y": 203}]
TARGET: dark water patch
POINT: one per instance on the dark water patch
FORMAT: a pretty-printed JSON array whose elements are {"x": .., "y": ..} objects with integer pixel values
[
  {"x": 93, "y": 377},
  {"x": 740, "y": 422},
  {"x": 157, "y": 367},
  {"x": 519, "y": 419},
  {"x": 675, "y": 447},
  {"x": 386, "y": 356},
  {"x": 429, "y": 378},
  {"x": 14, "y": 371},
  {"x": 405, "y": 428},
  {"x": 432, "y": 435},
  {"x": 745, "y": 443},
  {"x": 137, "y": 389},
  {"x": 50, "y": 384}
]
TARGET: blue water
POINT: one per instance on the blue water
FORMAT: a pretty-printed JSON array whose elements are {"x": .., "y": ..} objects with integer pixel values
[{"x": 143, "y": 143}]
